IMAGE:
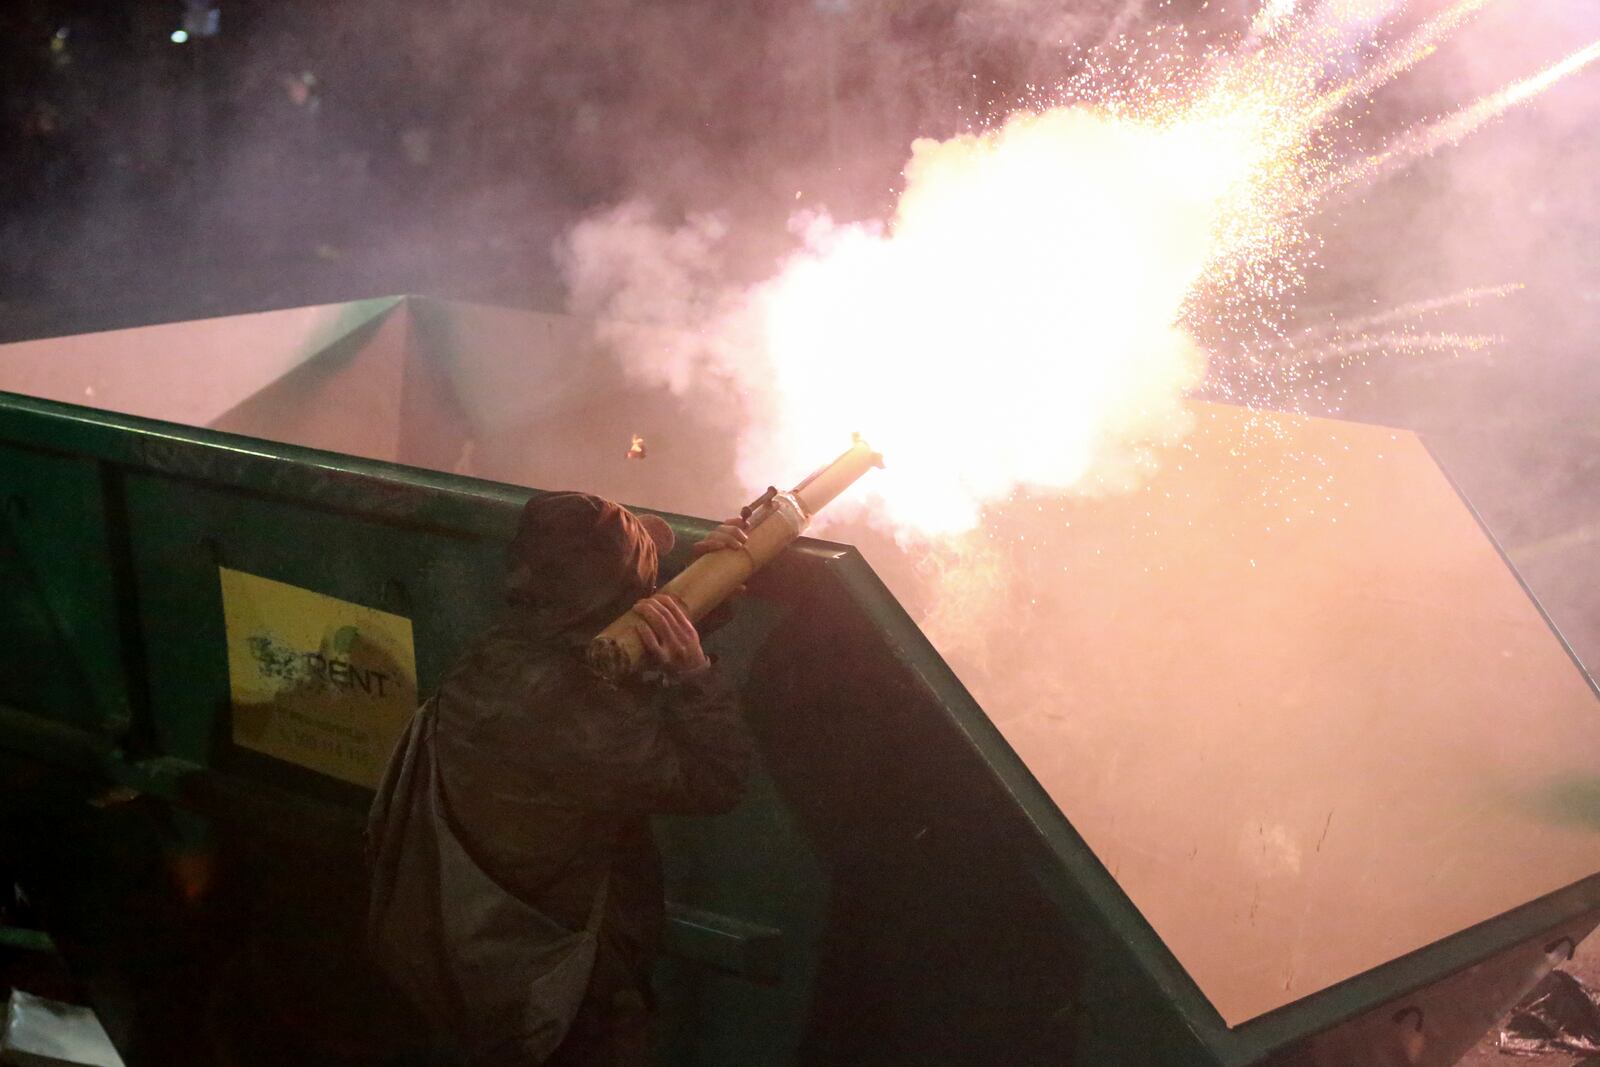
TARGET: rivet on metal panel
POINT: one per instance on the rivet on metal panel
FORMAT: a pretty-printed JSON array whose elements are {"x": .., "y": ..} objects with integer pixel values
[
  {"x": 1562, "y": 942},
  {"x": 1406, "y": 1012},
  {"x": 396, "y": 596}
]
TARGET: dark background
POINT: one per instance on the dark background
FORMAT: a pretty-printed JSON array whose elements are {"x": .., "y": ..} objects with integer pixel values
[{"x": 311, "y": 151}]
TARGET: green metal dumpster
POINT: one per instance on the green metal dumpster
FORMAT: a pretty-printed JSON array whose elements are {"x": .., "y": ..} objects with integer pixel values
[{"x": 917, "y": 876}]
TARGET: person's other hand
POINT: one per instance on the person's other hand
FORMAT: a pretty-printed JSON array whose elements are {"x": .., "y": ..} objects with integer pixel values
[
  {"x": 731, "y": 534},
  {"x": 669, "y": 635}
]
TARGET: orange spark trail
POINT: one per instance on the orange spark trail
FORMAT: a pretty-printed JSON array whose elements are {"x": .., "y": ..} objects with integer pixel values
[
  {"x": 1427, "y": 140},
  {"x": 1413, "y": 50},
  {"x": 1392, "y": 342},
  {"x": 1414, "y": 310}
]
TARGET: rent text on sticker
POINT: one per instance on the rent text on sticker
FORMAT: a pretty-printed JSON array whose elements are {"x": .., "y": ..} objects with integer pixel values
[{"x": 316, "y": 681}]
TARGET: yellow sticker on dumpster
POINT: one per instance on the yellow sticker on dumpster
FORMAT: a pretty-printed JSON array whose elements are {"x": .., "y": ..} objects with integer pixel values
[{"x": 316, "y": 681}]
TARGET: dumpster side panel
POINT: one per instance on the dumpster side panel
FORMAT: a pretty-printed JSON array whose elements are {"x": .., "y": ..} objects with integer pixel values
[
  {"x": 183, "y": 532},
  {"x": 747, "y": 893},
  {"x": 61, "y": 640},
  {"x": 938, "y": 941}
]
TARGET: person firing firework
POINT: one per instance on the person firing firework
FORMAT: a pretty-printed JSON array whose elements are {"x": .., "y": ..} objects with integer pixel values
[{"x": 516, "y": 888}]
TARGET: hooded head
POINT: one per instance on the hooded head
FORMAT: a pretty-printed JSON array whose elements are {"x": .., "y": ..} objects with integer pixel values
[{"x": 577, "y": 561}]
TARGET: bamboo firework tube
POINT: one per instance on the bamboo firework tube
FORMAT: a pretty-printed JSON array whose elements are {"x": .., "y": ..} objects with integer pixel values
[{"x": 774, "y": 522}]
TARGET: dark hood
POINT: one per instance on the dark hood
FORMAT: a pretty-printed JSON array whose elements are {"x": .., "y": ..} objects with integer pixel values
[{"x": 577, "y": 562}]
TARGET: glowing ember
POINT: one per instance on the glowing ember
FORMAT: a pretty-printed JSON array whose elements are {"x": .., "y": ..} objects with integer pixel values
[{"x": 636, "y": 448}]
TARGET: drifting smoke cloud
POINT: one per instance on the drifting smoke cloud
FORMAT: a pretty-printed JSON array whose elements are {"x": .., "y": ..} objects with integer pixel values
[
  {"x": 1035, "y": 283},
  {"x": 1010, "y": 326},
  {"x": 1001, "y": 245},
  {"x": 312, "y": 151},
  {"x": 1004, "y": 331}
]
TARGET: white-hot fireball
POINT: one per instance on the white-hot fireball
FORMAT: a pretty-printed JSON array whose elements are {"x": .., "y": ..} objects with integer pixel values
[{"x": 1017, "y": 322}]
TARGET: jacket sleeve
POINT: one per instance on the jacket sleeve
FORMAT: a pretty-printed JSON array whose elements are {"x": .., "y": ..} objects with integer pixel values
[{"x": 680, "y": 749}]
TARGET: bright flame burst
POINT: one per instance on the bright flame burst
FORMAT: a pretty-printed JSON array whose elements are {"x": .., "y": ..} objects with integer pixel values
[
  {"x": 1028, "y": 317},
  {"x": 1018, "y": 324},
  {"x": 1013, "y": 326}
]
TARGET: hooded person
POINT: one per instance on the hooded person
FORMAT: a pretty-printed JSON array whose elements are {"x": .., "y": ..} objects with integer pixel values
[{"x": 516, "y": 888}]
